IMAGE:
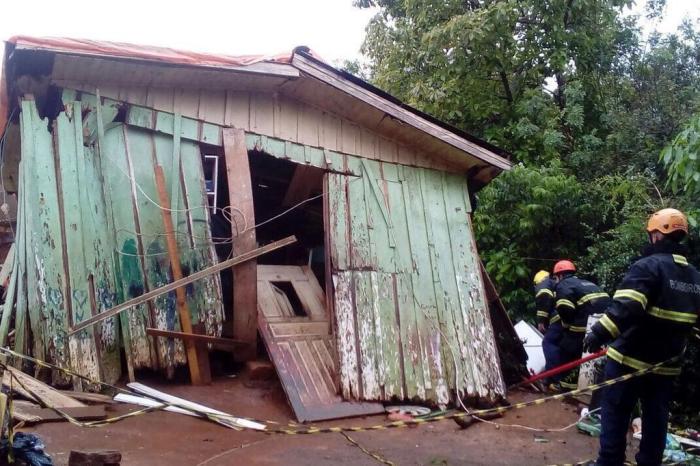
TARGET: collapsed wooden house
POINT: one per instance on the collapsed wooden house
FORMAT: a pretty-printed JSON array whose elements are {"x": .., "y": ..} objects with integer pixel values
[{"x": 382, "y": 297}]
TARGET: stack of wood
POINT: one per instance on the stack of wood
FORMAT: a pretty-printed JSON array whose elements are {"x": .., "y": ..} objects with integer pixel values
[{"x": 31, "y": 395}]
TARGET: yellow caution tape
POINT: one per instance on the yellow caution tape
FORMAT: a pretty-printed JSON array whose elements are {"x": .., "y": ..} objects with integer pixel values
[{"x": 295, "y": 429}]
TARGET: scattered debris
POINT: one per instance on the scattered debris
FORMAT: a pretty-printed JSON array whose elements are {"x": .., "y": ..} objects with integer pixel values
[
  {"x": 407, "y": 409},
  {"x": 31, "y": 413},
  {"x": 26, "y": 447}
]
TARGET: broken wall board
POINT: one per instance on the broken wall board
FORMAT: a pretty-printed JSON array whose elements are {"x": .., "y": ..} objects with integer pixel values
[
  {"x": 85, "y": 243},
  {"x": 31, "y": 388},
  {"x": 301, "y": 347},
  {"x": 410, "y": 306}
]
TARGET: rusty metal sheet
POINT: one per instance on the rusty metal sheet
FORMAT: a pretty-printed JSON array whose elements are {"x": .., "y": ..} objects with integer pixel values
[{"x": 294, "y": 325}]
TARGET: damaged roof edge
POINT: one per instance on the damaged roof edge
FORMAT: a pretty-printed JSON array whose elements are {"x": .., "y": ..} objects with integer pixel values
[{"x": 476, "y": 147}]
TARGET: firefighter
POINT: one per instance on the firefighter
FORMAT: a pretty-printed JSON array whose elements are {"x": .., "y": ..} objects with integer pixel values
[
  {"x": 576, "y": 299},
  {"x": 647, "y": 323},
  {"x": 547, "y": 319}
]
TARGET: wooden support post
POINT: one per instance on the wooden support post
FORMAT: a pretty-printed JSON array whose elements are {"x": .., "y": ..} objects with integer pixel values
[
  {"x": 245, "y": 280},
  {"x": 183, "y": 310}
]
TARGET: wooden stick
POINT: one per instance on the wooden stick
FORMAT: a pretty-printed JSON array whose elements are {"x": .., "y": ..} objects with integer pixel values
[
  {"x": 156, "y": 332},
  {"x": 183, "y": 310},
  {"x": 179, "y": 283}
]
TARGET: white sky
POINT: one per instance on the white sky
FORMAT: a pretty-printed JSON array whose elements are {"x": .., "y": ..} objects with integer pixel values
[{"x": 332, "y": 28}]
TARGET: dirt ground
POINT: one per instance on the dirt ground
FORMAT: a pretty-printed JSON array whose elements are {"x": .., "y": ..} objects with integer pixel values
[{"x": 167, "y": 439}]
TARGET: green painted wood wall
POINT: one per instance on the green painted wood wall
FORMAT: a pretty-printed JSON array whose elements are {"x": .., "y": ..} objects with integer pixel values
[{"x": 91, "y": 236}]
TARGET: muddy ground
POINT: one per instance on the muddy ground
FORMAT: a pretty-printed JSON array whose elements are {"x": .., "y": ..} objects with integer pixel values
[{"x": 166, "y": 439}]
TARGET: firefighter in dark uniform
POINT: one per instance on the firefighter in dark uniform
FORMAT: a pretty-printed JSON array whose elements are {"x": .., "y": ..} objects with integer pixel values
[
  {"x": 647, "y": 323},
  {"x": 548, "y": 321},
  {"x": 576, "y": 300}
]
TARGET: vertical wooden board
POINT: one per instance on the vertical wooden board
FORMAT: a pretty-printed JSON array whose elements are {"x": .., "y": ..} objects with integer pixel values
[
  {"x": 186, "y": 103},
  {"x": 309, "y": 126},
  {"x": 368, "y": 145},
  {"x": 84, "y": 353},
  {"x": 381, "y": 244},
  {"x": 350, "y": 137},
  {"x": 262, "y": 114},
  {"x": 475, "y": 314},
  {"x": 140, "y": 154},
  {"x": 388, "y": 150},
  {"x": 339, "y": 222},
  {"x": 46, "y": 237},
  {"x": 288, "y": 123},
  {"x": 388, "y": 336},
  {"x": 161, "y": 98},
  {"x": 445, "y": 285},
  {"x": 99, "y": 259},
  {"x": 21, "y": 306},
  {"x": 212, "y": 106},
  {"x": 425, "y": 303},
  {"x": 202, "y": 255},
  {"x": 115, "y": 169},
  {"x": 366, "y": 329},
  {"x": 397, "y": 212},
  {"x": 406, "y": 155},
  {"x": 475, "y": 348},
  {"x": 360, "y": 254},
  {"x": 136, "y": 94},
  {"x": 237, "y": 110},
  {"x": 414, "y": 355},
  {"x": 330, "y": 132}
]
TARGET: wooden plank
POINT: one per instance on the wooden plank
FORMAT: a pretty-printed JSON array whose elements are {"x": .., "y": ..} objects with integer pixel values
[
  {"x": 262, "y": 113},
  {"x": 128, "y": 246},
  {"x": 367, "y": 321},
  {"x": 212, "y": 106},
  {"x": 207, "y": 293},
  {"x": 359, "y": 237},
  {"x": 237, "y": 110},
  {"x": 182, "y": 307},
  {"x": 7, "y": 266},
  {"x": 288, "y": 120},
  {"x": 34, "y": 389},
  {"x": 388, "y": 336},
  {"x": 186, "y": 281},
  {"x": 330, "y": 131},
  {"x": 88, "y": 397},
  {"x": 423, "y": 289},
  {"x": 443, "y": 276},
  {"x": 193, "y": 337},
  {"x": 309, "y": 120},
  {"x": 33, "y": 414},
  {"x": 244, "y": 276},
  {"x": 8, "y": 305},
  {"x": 21, "y": 307}
]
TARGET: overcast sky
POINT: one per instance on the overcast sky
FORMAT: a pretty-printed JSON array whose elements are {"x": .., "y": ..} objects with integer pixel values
[{"x": 332, "y": 28}]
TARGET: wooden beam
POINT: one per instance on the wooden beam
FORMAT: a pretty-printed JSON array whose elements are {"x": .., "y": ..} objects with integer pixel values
[
  {"x": 156, "y": 332},
  {"x": 180, "y": 283},
  {"x": 37, "y": 389},
  {"x": 183, "y": 309},
  {"x": 245, "y": 277}
]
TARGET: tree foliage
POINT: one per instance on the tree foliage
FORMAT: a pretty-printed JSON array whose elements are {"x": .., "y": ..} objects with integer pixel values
[{"x": 583, "y": 101}]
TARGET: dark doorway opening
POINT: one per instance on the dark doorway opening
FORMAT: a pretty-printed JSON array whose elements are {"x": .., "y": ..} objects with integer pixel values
[{"x": 288, "y": 200}]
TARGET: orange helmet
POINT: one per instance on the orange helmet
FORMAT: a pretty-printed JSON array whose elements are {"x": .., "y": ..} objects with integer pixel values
[
  {"x": 564, "y": 266},
  {"x": 667, "y": 221}
]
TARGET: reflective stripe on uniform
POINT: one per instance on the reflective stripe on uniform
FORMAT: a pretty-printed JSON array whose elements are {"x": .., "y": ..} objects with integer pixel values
[
  {"x": 633, "y": 295},
  {"x": 591, "y": 296},
  {"x": 554, "y": 319},
  {"x": 687, "y": 317},
  {"x": 544, "y": 291},
  {"x": 574, "y": 328},
  {"x": 542, "y": 314},
  {"x": 640, "y": 365},
  {"x": 565, "y": 302},
  {"x": 678, "y": 259},
  {"x": 610, "y": 326}
]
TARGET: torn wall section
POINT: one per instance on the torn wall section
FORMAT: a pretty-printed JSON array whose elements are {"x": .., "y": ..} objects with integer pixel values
[{"x": 90, "y": 236}]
